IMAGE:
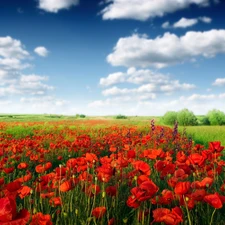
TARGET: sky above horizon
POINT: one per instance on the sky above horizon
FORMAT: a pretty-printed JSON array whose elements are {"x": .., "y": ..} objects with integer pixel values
[{"x": 108, "y": 57}]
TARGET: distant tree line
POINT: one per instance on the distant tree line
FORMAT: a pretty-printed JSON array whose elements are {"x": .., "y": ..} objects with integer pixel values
[{"x": 186, "y": 117}]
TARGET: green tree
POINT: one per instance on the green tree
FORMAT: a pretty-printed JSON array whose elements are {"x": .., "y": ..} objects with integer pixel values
[
  {"x": 186, "y": 118},
  {"x": 169, "y": 118},
  {"x": 216, "y": 117}
]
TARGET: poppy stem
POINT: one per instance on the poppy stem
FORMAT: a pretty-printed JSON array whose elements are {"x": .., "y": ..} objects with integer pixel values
[
  {"x": 211, "y": 221},
  {"x": 188, "y": 214}
]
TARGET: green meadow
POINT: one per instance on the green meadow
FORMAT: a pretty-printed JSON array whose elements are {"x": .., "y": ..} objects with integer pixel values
[{"x": 200, "y": 134}]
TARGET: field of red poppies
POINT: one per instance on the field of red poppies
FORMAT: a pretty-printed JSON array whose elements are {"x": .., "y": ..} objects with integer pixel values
[{"x": 68, "y": 173}]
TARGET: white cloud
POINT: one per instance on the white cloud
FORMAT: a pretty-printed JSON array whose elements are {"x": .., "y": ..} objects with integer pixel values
[
  {"x": 198, "y": 97},
  {"x": 12, "y": 48},
  {"x": 145, "y": 9},
  {"x": 166, "y": 25},
  {"x": 166, "y": 50},
  {"x": 14, "y": 83},
  {"x": 54, "y": 6},
  {"x": 185, "y": 22},
  {"x": 41, "y": 51},
  {"x": 205, "y": 19},
  {"x": 149, "y": 83},
  {"x": 219, "y": 82},
  {"x": 26, "y": 84},
  {"x": 149, "y": 88}
]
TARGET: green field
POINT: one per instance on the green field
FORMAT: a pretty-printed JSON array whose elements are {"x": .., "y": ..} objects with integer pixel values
[{"x": 200, "y": 134}]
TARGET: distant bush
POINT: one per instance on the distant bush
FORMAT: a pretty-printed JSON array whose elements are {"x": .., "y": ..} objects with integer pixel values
[
  {"x": 204, "y": 121},
  {"x": 121, "y": 117},
  {"x": 80, "y": 116},
  {"x": 169, "y": 118},
  {"x": 186, "y": 118},
  {"x": 216, "y": 117}
]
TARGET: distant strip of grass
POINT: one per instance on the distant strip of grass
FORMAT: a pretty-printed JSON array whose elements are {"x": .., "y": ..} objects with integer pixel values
[{"x": 205, "y": 134}]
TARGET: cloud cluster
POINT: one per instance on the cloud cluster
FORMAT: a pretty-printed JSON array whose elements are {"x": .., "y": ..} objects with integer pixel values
[
  {"x": 219, "y": 82},
  {"x": 169, "y": 49},
  {"x": 186, "y": 22},
  {"x": 53, "y": 6},
  {"x": 148, "y": 81},
  {"x": 12, "y": 54},
  {"x": 145, "y": 9},
  {"x": 14, "y": 58},
  {"x": 41, "y": 51},
  {"x": 148, "y": 85}
]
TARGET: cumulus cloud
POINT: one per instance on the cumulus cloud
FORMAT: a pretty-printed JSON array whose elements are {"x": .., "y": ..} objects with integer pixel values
[
  {"x": 148, "y": 81},
  {"x": 169, "y": 49},
  {"x": 219, "y": 82},
  {"x": 41, "y": 51},
  {"x": 26, "y": 84},
  {"x": 12, "y": 48},
  {"x": 53, "y": 6},
  {"x": 205, "y": 19},
  {"x": 166, "y": 25},
  {"x": 14, "y": 83},
  {"x": 12, "y": 54},
  {"x": 145, "y": 9},
  {"x": 186, "y": 22},
  {"x": 134, "y": 76}
]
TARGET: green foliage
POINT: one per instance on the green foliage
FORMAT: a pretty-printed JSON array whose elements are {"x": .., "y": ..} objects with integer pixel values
[
  {"x": 20, "y": 131},
  {"x": 186, "y": 118},
  {"x": 216, "y": 117},
  {"x": 204, "y": 120},
  {"x": 121, "y": 116},
  {"x": 80, "y": 116},
  {"x": 169, "y": 118}
]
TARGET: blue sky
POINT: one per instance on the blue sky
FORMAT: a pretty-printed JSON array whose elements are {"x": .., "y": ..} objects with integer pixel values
[{"x": 105, "y": 57}]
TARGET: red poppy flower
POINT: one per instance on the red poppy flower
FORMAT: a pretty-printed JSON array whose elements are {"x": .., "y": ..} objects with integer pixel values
[
  {"x": 198, "y": 195},
  {"x": 132, "y": 202},
  {"x": 47, "y": 195},
  {"x": 99, "y": 212},
  {"x": 197, "y": 159},
  {"x": 21, "y": 218},
  {"x": 24, "y": 191},
  {"x": 8, "y": 170},
  {"x": 173, "y": 217},
  {"x": 13, "y": 186},
  {"x": 40, "y": 168},
  {"x": 214, "y": 200},
  {"x": 182, "y": 188},
  {"x": 159, "y": 213},
  {"x": 66, "y": 186},
  {"x": 22, "y": 166},
  {"x": 142, "y": 167},
  {"x": 131, "y": 154},
  {"x": 216, "y": 146},
  {"x": 7, "y": 209},
  {"x": 56, "y": 201},
  {"x": 91, "y": 157},
  {"x": 41, "y": 219},
  {"x": 167, "y": 197}
]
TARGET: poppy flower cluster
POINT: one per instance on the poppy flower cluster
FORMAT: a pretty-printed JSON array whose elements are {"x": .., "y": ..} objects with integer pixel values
[{"x": 73, "y": 173}]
